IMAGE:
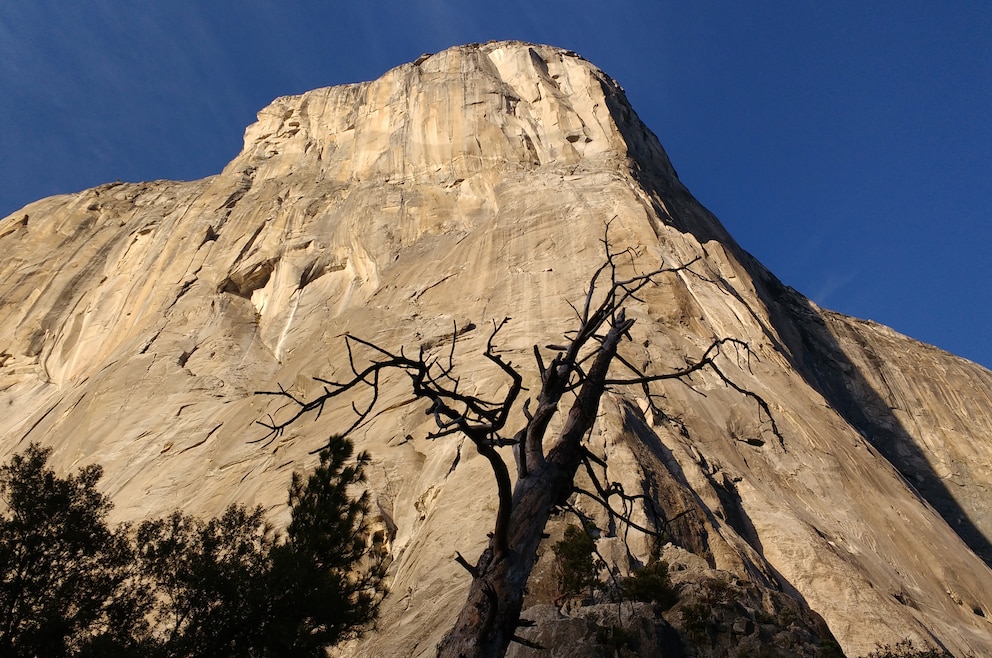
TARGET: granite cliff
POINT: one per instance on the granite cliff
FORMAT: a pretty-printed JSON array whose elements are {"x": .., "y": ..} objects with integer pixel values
[{"x": 137, "y": 320}]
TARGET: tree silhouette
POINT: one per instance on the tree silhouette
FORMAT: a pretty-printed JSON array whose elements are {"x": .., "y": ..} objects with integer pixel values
[
  {"x": 572, "y": 384},
  {"x": 230, "y": 586},
  {"x": 68, "y": 585},
  {"x": 182, "y": 586},
  {"x": 330, "y": 572},
  {"x": 210, "y": 578}
]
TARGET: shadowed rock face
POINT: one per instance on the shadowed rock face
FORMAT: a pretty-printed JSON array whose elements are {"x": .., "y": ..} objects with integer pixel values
[{"x": 136, "y": 320}]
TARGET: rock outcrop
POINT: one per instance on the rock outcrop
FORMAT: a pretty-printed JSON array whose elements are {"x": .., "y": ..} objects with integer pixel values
[{"x": 137, "y": 320}]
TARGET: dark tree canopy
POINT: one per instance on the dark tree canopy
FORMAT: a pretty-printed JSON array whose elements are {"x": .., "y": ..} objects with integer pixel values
[
  {"x": 210, "y": 578},
  {"x": 327, "y": 556},
  {"x": 182, "y": 586},
  {"x": 67, "y": 581}
]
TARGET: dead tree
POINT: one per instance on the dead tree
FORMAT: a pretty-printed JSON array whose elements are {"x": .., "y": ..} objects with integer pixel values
[{"x": 577, "y": 376}]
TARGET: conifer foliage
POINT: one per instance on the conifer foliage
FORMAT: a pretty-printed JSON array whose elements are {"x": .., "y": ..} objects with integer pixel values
[
  {"x": 330, "y": 603},
  {"x": 64, "y": 575},
  {"x": 211, "y": 581},
  {"x": 183, "y": 586}
]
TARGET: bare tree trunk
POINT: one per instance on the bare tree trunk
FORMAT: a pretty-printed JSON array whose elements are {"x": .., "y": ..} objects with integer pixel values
[{"x": 488, "y": 621}]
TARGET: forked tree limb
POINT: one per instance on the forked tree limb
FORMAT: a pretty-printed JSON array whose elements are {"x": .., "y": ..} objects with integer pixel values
[{"x": 581, "y": 370}]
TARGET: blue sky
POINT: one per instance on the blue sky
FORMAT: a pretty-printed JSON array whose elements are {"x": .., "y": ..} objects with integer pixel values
[{"x": 847, "y": 145}]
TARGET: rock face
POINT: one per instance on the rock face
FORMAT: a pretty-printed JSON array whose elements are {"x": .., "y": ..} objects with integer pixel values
[{"x": 136, "y": 320}]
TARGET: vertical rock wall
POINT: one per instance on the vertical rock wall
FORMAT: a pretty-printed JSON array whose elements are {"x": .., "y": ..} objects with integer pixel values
[{"x": 136, "y": 320}]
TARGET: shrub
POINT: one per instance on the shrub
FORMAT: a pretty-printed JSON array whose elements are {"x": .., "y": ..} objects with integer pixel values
[
  {"x": 616, "y": 640},
  {"x": 696, "y": 619},
  {"x": 905, "y": 649},
  {"x": 576, "y": 570},
  {"x": 651, "y": 584}
]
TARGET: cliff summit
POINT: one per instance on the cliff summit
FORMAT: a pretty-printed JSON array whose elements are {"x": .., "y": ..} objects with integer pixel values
[{"x": 138, "y": 320}]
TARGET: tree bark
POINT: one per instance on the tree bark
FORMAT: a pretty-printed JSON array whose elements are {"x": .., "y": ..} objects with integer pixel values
[{"x": 488, "y": 621}]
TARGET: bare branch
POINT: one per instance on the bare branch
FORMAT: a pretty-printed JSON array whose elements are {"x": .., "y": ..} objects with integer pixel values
[
  {"x": 540, "y": 362},
  {"x": 466, "y": 564},
  {"x": 527, "y": 643},
  {"x": 581, "y": 368},
  {"x": 614, "y": 489}
]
